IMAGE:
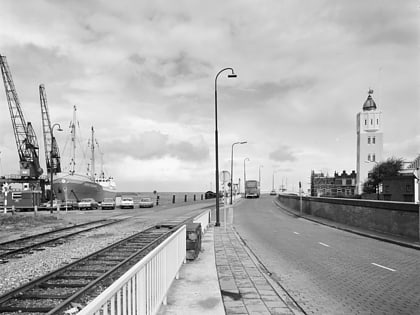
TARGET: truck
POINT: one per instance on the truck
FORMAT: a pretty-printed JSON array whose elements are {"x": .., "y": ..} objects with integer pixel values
[{"x": 252, "y": 189}]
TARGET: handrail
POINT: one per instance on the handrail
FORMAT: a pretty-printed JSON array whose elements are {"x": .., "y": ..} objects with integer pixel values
[{"x": 144, "y": 287}]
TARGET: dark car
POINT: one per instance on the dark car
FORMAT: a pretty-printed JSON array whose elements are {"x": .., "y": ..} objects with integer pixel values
[
  {"x": 209, "y": 195},
  {"x": 146, "y": 202},
  {"x": 108, "y": 203}
]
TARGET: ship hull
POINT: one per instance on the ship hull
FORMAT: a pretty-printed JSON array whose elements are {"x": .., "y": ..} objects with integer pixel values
[{"x": 76, "y": 186}]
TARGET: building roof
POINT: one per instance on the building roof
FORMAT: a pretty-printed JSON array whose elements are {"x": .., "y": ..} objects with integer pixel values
[{"x": 369, "y": 103}]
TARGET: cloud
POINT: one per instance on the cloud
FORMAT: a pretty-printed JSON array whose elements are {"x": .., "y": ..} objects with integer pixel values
[
  {"x": 283, "y": 153},
  {"x": 156, "y": 145}
]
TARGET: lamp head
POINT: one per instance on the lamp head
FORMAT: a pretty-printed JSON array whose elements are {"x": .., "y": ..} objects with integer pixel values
[
  {"x": 243, "y": 142},
  {"x": 233, "y": 75}
]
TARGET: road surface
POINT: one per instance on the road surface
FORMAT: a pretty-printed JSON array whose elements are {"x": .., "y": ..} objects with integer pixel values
[{"x": 329, "y": 271}]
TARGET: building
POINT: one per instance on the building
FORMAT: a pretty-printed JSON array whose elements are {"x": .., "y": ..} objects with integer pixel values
[
  {"x": 340, "y": 185},
  {"x": 369, "y": 140},
  {"x": 399, "y": 188}
]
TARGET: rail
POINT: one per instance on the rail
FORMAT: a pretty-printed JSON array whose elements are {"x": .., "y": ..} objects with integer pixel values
[{"x": 144, "y": 287}]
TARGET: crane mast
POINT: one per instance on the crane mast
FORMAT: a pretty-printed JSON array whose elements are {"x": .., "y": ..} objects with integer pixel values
[
  {"x": 26, "y": 141},
  {"x": 50, "y": 143}
]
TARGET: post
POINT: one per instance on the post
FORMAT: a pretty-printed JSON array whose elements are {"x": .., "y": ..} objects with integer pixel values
[
  {"x": 300, "y": 194},
  {"x": 157, "y": 200},
  {"x": 216, "y": 142},
  {"x": 35, "y": 210},
  {"x": 231, "y": 171},
  {"x": 185, "y": 198},
  {"x": 173, "y": 198},
  {"x": 194, "y": 198}
]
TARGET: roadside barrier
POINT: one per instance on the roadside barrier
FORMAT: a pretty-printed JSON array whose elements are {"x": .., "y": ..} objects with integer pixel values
[{"x": 143, "y": 288}]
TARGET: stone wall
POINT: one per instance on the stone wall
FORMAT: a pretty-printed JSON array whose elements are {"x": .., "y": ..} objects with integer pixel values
[{"x": 397, "y": 218}]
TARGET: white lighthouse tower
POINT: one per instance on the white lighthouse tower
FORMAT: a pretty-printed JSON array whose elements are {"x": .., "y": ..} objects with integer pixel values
[{"x": 369, "y": 140}]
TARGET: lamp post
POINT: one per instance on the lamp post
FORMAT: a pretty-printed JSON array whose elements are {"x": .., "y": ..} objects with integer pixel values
[
  {"x": 216, "y": 141},
  {"x": 245, "y": 159},
  {"x": 259, "y": 174},
  {"x": 231, "y": 171},
  {"x": 273, "y": 179},
  {"x": 51, "y": 162}
]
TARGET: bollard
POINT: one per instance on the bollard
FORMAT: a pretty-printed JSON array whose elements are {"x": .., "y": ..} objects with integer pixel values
[
  {"x": 194, "y": 197},
  {"x": 173, "y": 198},
  {"x": 13, "y": 210},
  {"x": 36, "y": 210},
  {"x": 185, "y": 198},
  {"x": 157, "y": 200}
]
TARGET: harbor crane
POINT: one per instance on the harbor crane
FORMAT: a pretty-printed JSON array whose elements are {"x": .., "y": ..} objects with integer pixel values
[
  {"x": 52, "y": 153},
  {"x": 26, "y": 141}
]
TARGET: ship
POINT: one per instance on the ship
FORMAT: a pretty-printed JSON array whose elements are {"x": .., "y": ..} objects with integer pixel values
[{"x": 76, "y": 186}]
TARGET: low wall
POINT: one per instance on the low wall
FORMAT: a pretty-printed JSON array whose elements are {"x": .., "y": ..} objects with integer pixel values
[{"x": 397, "y": 218}]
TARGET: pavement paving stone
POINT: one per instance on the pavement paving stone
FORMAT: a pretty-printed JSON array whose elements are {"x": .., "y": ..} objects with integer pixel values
[{"x": 245, "y": 290}]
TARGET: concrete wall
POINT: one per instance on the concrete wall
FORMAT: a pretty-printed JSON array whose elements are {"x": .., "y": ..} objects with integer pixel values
[{"x": 397, "y": 218}]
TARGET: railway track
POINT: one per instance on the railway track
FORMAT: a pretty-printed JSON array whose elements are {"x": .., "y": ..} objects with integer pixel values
[
  {"x": 26, "y": 245},
  {"x": 79, "y": 282}
]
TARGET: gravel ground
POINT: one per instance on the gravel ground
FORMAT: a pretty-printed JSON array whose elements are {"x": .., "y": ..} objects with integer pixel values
[{"x": 20, "y": 271}]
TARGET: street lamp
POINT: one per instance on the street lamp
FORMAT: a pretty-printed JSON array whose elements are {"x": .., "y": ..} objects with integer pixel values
[
  {"x": 273, "y": 179},
  {"x": 259, "y": 174},
  {"x": 246, "y": 159},
  {"x": 51, "y": 162},
  {"x": 231, "y": 171},
  {"x": 216, "y": 142}
]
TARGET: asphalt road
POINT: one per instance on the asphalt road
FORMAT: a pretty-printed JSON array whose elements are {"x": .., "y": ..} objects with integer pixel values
[{"x": 329, "y": 271}]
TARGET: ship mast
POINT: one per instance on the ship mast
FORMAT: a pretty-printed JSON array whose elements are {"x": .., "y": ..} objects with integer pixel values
[
  {"x": 92, "y": 149},
  {"x": 73, "y": 141}
]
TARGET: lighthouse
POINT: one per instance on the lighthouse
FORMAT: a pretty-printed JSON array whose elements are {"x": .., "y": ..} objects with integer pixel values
[{"x": 369, "y": 140}]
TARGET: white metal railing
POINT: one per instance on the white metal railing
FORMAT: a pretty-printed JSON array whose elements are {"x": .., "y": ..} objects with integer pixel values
[
  {"x": 143, "y": 288},
  {"x": 204, "y": 219}
]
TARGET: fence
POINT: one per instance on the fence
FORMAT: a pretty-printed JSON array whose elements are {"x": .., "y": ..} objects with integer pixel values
[{"x": 143, "y": 288}]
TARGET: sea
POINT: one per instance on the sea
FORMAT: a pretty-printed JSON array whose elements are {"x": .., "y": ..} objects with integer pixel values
[{"x": 165, "y": 197}]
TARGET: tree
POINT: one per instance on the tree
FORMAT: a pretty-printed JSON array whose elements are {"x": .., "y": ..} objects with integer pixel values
[{"x": 390, "y": 167}]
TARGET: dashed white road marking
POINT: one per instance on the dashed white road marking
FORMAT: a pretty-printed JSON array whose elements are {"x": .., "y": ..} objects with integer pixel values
[
  {"x": 377, "y": 265},
  {"x": 296, "y": 233},
  {"x": 323, "y": 244}
]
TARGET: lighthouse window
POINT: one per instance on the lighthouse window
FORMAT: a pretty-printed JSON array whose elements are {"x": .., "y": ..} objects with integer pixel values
[
  {"x": 365, "y": 122},
  {"x": 373, "y": 140},
  {"x": 371, "y": 121},
  {"x": 368, "y": 140},
  {"x": 377, "y": 121},
  {"x": 373, "y": 157},
  {"x": 368, "y": 157}
]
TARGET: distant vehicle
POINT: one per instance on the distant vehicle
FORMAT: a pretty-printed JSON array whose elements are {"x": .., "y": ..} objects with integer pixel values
[
  {"x": 252, "y": 189},
  {"x": 146, "y": 203},
  {"x": 70, "y": 203},
  {"x": 47, "y": 205},
  {"x": 209, "y": 195},
  {"x": 127, "y": 202},
  {"x": 273, "y": 193},
  {"x": 108, "y": 203},
  {"x": 87, "y": 203}
]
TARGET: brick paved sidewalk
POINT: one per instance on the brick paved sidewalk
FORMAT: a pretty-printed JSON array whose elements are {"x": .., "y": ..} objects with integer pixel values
[{"x": 244, "y": 286}]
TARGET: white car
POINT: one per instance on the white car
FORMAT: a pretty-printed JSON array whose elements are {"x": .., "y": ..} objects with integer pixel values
[
  {"x": 127, "y": 202},
  {"x": 108, "y": 203}
]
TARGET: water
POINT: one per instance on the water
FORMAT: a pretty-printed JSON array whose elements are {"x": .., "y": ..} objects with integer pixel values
[{"x": 164, "y": 197}]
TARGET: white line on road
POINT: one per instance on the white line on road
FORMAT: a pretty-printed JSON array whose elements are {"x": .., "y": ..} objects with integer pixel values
[
  {"x": 383, "y": 267},
  {"x": 323, "y": 244},
  {"x": 296, "y": 233}
]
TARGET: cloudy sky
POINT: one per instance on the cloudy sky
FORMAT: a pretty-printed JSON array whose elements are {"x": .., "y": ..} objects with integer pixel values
[{"x": 142, "y": 73}]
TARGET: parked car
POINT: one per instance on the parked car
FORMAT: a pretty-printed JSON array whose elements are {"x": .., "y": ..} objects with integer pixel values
[
  {"x": 108, "y": 203},
  {"x": 87, "y": 203},
  {"x": 146, "y": 203},
  {"x": 273, "y": 193},
  {"x": 70, "y": 203},
  {"x": 47, "y": 205},
  {"x": 127, "y": 202}
]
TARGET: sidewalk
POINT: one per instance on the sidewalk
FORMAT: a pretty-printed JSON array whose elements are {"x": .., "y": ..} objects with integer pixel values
[{"x": 225, "y": 279}]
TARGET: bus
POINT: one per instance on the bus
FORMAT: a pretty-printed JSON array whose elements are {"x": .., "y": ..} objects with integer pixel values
[{"x": 252, "y": 189}]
